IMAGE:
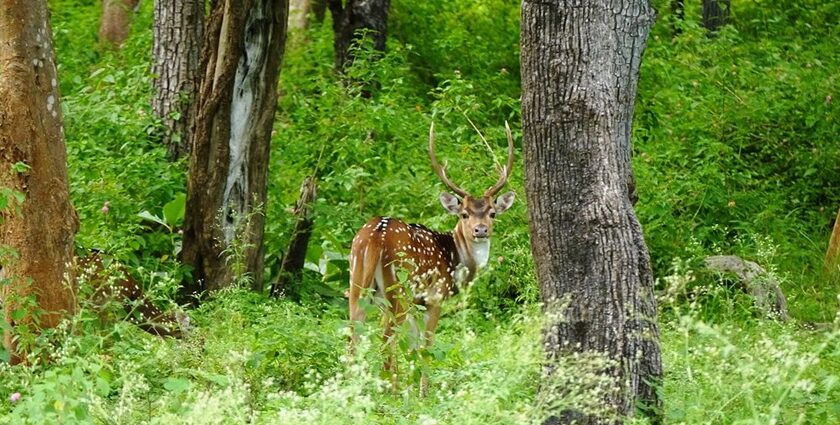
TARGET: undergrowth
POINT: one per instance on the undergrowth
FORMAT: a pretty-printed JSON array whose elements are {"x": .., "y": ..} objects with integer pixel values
[{"x": 734, "y": 153}]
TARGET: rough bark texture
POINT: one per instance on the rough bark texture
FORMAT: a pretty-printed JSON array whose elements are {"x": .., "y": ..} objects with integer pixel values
[
  {"x": 116, "y": 21},
  {"x": 291, "y": 266},
  {"x": 176, "y": 49},
  {"x": 763, "y": 287},
  {"x": 31, "y": 132},
  {"x": 354, "y": 16},
  {"x": 242, "y": 50},
  {"x": 715, "y": 14},
  {"x": 580, "y": 67}
]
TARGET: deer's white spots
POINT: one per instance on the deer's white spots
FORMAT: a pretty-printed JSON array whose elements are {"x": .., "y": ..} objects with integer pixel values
[
  {"x": 53, "y": 82},
  {"x": 50, "y": 102}
]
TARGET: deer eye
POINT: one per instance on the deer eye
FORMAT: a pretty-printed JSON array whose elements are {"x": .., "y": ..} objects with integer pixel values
[
  {"x": 493, "y": 214},
  {"x": 465, "y": 215}
]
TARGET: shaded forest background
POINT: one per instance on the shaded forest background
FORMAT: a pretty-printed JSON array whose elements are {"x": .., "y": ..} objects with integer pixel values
[{"x": 735, "y": 152}]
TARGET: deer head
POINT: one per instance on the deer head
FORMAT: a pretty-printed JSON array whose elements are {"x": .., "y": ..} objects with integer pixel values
[{"x": 476, "y": 213}]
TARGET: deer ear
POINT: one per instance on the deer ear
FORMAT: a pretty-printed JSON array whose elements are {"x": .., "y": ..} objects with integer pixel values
[
  {"x": 450, "y": 203},
  {"x": 504, "y": 202}
]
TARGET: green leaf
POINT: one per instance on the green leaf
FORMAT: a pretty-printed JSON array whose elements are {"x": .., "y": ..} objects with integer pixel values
[
  {"x": 20, "y": 167},
  {"x": 177, "y": 385},
  {"x": 145, "y": 215},
  {"x": 18, "y": 314},
  {"x": 103, "y": 387},
  {"x": 173, "y": 211},
  {"x": 313, "y": 254}
]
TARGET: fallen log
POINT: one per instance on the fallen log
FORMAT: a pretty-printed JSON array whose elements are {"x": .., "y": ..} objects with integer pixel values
[{"x": 762, "y": 286}]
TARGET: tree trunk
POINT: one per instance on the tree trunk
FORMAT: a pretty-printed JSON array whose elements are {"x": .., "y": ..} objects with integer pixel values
[
  {"x": 580, "y": 67},
  {"x": 298, "y": 14},
  {"x": 231, "y": 136},
  {"x": 351, "y": 18},
  {"x": 291, "y": 265},
  {"x": 116, "y": 21},
  {"x": 41, "y": 232},
  {"x": 319, "y": 9},
  {"x": 176, "y": 48},
  {"x": 715, "y": 14}
]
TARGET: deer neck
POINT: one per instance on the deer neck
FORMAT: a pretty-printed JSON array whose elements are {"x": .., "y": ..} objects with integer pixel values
[{"x": 471, "y": 254}]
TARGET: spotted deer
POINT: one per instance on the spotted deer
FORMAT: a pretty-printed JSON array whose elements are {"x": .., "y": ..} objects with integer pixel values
[
  {"x": 112, "y": 286},
  {"x": 436, "y": 264}
]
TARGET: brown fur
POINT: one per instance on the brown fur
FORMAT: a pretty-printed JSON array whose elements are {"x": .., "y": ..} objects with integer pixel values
[{"x": 112, "y": 285}]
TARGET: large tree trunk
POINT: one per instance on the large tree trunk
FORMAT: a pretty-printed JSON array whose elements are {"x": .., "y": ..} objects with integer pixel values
[
  {"x": 41, "y": 232},
  {"x": 715, "y": 14},
  {"x": 355, "y": 16},
  {"x": 243, "y": 48},
  {"x": 116, "y": 21},
  {"x": 176, "y": 48},
  {"x": 580, "y": 67},
  {"x": 298, "y": 14}
]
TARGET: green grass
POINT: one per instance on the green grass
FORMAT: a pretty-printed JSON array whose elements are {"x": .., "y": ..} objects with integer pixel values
[{"x": 734, "y": 152}]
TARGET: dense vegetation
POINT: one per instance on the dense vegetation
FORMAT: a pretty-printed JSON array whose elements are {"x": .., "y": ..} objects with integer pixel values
[{"x": 735, "y": 152}]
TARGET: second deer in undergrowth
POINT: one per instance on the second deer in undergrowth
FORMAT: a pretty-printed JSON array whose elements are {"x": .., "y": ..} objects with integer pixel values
[{"x": 435, "y": 264}]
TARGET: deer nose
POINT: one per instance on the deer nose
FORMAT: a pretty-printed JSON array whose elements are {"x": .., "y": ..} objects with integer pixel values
[{"x": 481, "y": 231}]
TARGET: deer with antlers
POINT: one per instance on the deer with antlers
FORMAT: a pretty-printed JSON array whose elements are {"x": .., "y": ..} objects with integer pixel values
[{"x": 436, "y": 264}]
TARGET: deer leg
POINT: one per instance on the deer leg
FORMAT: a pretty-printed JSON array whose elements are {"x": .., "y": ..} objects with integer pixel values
[
  {"x": 393, "y": 319},
  {"x": 362, "y": 271},
  {"x": 432, "y": 317}
]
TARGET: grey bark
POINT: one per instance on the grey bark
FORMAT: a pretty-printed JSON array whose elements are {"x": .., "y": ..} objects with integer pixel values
[
  {"x": 41, "y": 229},
  {"x": 231, "y": 135},
  {"x": 176, "y": 49},
  {"x": 580, "y": 67},
  {"x": 762, "y": 286},
  {"x": 715, "y": 14},
  {"x": 352, "y": 16}
]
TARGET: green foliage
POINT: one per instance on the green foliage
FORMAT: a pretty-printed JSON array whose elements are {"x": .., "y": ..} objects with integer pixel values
[
  {"x": 113, "y": 155},
  {"x": 734, "y": 154},
  {"x": 734, "y": 137},
  {"x": 369, "y": 149},
  {"x": 758, "y": 374}
]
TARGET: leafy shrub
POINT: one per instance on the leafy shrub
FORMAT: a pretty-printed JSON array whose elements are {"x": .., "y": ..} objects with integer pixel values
[{"x": 734, "y": 153}]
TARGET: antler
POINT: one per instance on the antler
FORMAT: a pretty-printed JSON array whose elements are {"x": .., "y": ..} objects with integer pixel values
[
  {"x": 441, "y": 171},
  {"x": 505, "y": 171}
]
